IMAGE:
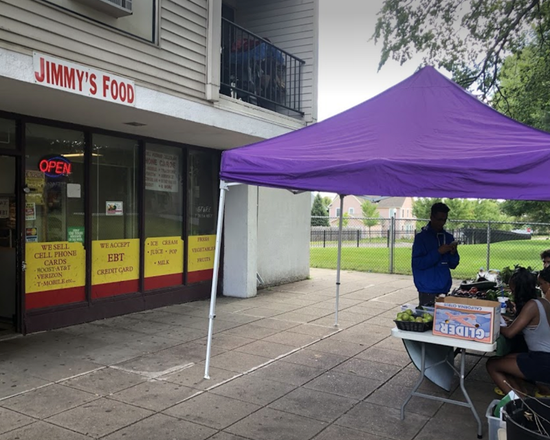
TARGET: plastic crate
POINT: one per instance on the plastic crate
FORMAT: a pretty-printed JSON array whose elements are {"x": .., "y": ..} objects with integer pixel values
[{"x": 495, "y": 423}]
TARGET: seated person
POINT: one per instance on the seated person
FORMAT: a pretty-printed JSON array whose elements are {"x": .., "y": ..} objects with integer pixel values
[
  {"x": 523, "y": 286},
  {"x": 545, "y": 257},
  {"x": 533, "y": 318}
]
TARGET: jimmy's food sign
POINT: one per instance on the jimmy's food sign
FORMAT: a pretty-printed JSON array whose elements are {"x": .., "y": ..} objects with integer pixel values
[{"x": 74, "y": 78}]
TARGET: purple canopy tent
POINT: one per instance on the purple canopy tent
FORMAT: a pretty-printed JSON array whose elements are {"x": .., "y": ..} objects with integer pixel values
[{"x": 425, "y": 137}]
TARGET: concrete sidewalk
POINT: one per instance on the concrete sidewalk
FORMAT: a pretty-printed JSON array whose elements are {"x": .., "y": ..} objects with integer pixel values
[{"x": 280, "y": 370}]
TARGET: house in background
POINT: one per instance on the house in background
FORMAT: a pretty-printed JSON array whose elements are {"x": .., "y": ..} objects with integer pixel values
[
  {"x": 401, "y": 208},
  {"x": 113, "y": 118}
]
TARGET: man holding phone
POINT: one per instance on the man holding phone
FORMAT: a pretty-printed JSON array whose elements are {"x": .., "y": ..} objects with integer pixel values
[{"x": 434, "y": 254}]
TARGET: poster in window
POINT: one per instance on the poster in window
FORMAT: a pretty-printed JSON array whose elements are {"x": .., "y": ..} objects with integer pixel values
[
  {"x": 114, "y": 208},
  {"x": 30, "y": 211},
  {"x": 35, "y": 182},
  {"x": 161, "y": 171},
  {"x": 31, "y": 235}
]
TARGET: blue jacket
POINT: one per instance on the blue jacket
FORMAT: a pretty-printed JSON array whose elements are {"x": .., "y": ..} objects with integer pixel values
[{"x": 431, "y": 270}]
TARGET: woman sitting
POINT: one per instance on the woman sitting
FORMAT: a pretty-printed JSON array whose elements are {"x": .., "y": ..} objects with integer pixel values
[
  {"x": 533, "y": 317},
  {"x": 523, "y": 285}
]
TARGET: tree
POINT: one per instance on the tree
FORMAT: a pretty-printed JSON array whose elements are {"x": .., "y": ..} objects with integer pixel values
[
  {"x": 319, "y": 214},
  {"x": 491, "y": 210},
  {"x": 460, "y": 209},
  {"x": 423, "y": 205},
  {"x": 468, "y": 38},
  {"x": 370, "y": 214},
  {"x": 345, "y": 220},
  {"x": 523, "y": 87},
  {"x": 464, "y": 209},
  {"x": 527, "y": 211}
]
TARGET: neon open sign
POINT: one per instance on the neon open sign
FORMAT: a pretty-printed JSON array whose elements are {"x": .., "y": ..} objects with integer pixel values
[{"x": 57, "y": 166}]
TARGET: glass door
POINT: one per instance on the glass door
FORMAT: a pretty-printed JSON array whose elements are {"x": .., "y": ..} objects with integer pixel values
[{"x": 8, "y": 244}]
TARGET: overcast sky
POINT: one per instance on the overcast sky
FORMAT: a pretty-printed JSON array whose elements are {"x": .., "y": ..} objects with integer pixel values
[{"x": 348, "y": 61}]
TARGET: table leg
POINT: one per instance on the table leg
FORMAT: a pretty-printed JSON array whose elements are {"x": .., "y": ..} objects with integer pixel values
[
  {"x": 466, "y": 395},
  {"x": 419, "y": 382}
]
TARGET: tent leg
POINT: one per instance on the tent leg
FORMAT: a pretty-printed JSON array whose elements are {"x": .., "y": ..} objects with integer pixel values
[
  {"x": 223, "y": 189},
  {"x": 339, "y": 259}
]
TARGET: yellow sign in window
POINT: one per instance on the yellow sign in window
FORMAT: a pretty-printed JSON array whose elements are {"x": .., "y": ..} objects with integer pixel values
[
  {"x": 54, "y": 266},
  {"x": 201, "y": 252},
  {"x": 163, "y": 256},
  {"x": 115, "y": 260}
]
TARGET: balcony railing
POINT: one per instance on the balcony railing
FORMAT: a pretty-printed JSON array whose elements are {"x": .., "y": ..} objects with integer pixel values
[{"x": 256, "y": 71}]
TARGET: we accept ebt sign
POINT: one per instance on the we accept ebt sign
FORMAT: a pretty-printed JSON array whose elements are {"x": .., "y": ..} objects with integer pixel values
[{"x": 74, "y": 78}]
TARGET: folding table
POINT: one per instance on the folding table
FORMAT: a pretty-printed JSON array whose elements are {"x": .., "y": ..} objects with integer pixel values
[{"x": 427, "y": 338}]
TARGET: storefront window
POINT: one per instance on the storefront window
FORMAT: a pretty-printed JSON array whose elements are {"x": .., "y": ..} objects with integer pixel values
[
  {"x": 202, "y": 203},
  {"x": 163, "y": 216},
  {"x": 7, "y": 134},
  {"x": 54, "y": 216},
  {"x": 115, "y": 245}
]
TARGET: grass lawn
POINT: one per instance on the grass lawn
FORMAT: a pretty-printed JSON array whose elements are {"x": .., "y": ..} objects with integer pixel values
[{"x": 472, "y": 257}]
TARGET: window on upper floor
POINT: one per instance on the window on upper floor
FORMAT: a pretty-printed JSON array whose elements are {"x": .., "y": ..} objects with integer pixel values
[
  {"x": 134, "y": 17},
  {"x": 351, "y": 211},
  {"x": 337, "y": 212}
]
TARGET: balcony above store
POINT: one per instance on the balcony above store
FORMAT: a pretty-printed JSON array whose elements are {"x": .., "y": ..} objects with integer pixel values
[{"x": 256, "y": 71}]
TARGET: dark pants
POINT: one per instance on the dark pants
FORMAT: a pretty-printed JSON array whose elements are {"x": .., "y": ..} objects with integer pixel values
[{"x": 427, "y": 299}]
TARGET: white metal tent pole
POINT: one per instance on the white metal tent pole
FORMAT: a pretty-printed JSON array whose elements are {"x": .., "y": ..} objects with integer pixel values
[
  {"x": 224, "y": 186},
  {"x": 341, "y": 222}
]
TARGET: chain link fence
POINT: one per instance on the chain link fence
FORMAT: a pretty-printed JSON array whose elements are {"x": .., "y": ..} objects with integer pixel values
[{"x": 384, "y": 244}]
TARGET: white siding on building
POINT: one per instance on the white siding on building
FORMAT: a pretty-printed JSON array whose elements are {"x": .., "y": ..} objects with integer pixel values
[
  {"x": 176, "y": 66},
  {"x": 290, "y": 25}
]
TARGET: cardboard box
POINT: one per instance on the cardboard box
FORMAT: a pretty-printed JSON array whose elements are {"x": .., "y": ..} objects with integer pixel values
[{"x": 465, "y": 318}]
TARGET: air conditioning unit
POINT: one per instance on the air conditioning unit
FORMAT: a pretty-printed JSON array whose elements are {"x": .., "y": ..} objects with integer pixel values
[{"x": 115, "y": 8}]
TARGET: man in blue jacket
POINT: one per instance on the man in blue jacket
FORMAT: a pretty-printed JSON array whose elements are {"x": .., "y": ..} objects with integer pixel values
[{"x": 434, "y": 254}]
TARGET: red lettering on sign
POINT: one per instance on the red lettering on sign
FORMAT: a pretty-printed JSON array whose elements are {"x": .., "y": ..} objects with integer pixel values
[
  {"x": 68, "y": 77},
  {"x": 40, "y": 75},
  {"x": 114, "y": 89},
  {"x": 106, "y": 80},
  {"x": 57, "y": 75},
  {"x": 43, "y": 165},
  {"x": 82, "y": 80},
  {"x": 131, "y": 94},
  {"x": 93, "y": 85},
  {"x": 55, "y": 167}
]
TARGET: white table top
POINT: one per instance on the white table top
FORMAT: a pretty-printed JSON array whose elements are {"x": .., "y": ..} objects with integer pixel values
[{"x": 430, "y": 338}]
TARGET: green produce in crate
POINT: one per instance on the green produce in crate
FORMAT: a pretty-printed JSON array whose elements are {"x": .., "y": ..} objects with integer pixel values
[{"x": 407, "y": 315}]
